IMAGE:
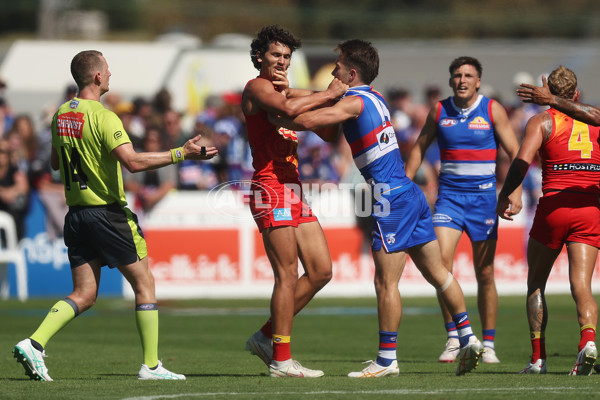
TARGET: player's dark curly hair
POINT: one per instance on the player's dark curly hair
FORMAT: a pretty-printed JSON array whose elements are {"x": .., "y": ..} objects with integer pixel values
[
  {"x": 465, "y": 60},
  {"x": 361, "y": 56},
  {"x": 271, "y": 34},
  {"x": 562, "y": 82}
]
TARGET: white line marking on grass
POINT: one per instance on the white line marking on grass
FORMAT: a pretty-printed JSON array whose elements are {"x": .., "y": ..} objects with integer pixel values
[
  {"x": 257, "y": 311},
  {"x": 347, "y": 392}
]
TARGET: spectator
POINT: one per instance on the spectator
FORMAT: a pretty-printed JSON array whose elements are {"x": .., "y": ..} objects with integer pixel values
[
  {"x": 151, "y": 186},
  {"x": 199, "y": 176},
  {"x": 17, "y": 152},
  {"x": 142, "y": 110},
  {"x": 14, "y": 190},
  {"x": 316, "y": 164},
  {"x": 27, "y": 149},
  {"x": 162, "y": 101},
  {"x": 174, "y": 134},
  {"x": 6, "y": 116},
  {"x": 110, "y": 100},
  {"x": 232, "y": 140}
]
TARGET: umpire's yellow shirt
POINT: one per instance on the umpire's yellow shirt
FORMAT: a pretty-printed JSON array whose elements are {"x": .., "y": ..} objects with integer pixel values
[{"x": 84, "y": 133}]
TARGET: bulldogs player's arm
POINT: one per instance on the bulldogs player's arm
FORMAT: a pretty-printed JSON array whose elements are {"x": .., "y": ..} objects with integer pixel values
[
  {"x": 261, "y": 93},
  {"x": 326, "y": 122},
  {"x": 424, "y": 140},
  {"x": 508, "y": 140},
  {"x": 537, "y": 130},
  {"x": 282, "y": 84}
]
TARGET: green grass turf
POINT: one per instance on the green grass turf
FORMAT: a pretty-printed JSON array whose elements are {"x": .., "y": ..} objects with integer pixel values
[{"x": 98, "y": 355}]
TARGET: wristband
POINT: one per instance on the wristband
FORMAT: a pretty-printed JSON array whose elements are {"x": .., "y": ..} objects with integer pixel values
[{"x": 177, "y": 155}]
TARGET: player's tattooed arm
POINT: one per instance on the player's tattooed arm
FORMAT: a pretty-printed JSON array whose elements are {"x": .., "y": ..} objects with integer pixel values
[
  {"x": 579, "y": 111},
  {"x": 546, "y": 126},
  {"x": 542, "y": 96}
]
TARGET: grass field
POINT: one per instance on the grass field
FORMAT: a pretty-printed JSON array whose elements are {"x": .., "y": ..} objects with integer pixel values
[{"x": 98, "y": 355}]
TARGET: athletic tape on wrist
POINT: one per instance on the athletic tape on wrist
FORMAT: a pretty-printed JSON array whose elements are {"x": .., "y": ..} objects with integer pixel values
[{"x": 177, "y": 155}]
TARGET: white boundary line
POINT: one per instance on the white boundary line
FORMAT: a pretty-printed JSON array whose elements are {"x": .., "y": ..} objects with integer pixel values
[{"x": 349, "y": 392}]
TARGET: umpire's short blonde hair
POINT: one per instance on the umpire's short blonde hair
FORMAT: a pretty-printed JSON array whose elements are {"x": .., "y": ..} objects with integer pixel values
[{"x": 563, "y": 82}]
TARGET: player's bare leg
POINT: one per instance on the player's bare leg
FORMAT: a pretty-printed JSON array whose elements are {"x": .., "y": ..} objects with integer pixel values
[
  {"x": 487, "y": 295},
  {"x": 282, "y": 250},
  {"x": 388, "y": 270},
  {"x": 540, "y": 259},
  {"x": 280, "y": 246},
  {"x": 448, "y": 241},
  {"x": 427, "y": 258},
  {"x": 316, "y": 261},
  {"x": 582, "y": 260}
]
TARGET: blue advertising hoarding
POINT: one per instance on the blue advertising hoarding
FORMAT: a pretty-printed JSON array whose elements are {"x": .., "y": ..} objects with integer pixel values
[{"x": 48, "y": 269}]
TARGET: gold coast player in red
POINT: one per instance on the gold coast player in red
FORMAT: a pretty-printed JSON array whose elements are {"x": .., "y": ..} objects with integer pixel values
[
  {"x": 567, "y": 214},
  {"x": 289, "y": 229}
]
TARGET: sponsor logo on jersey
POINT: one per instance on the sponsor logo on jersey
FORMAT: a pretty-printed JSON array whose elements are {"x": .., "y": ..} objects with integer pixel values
[
  {"x": 54, "y": 310},
  {"x": 74, "y": 104},
  {"x": 288, "y": 134},
  {"x": 576, "y": 167},
  {"x": 390, "y": 238},
  {"x": 448, "y": 122},
  {"x": 486, "y": 186},
  {"x": 70, "y": 124},
  {"x": 490, "y": 221},
  {"x": 384, "y": 138},
  {"x": 282, "y": 214},
  {"x": 479, "y": 123}
]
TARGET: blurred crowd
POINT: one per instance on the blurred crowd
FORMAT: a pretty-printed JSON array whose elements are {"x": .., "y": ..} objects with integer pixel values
[{"x": 154, "y": 125}]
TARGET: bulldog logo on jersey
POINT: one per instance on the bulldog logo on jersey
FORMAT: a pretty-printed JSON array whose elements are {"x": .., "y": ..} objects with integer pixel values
[
  {"x": 390, "y": 238},
  {"x": 479, "y": 123}
]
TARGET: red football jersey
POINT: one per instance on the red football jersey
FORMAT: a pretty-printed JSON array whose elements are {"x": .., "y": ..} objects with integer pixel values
[
  {"x": 571, "y": 156},
  {"x": 274, "y": 150}
]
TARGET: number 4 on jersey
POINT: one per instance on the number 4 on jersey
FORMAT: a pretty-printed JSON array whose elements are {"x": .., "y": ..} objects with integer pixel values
[
  {"x": 72, "y": 169},
  {"x": 580, "y": 139}
]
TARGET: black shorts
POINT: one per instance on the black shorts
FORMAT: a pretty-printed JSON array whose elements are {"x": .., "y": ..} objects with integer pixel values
[{"x": 109, "y": 232}]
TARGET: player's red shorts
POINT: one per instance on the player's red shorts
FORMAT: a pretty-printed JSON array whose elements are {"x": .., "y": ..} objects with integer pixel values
[
  {"x": 563, "y": 217},
  {"x": 278, "y": 204}
]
